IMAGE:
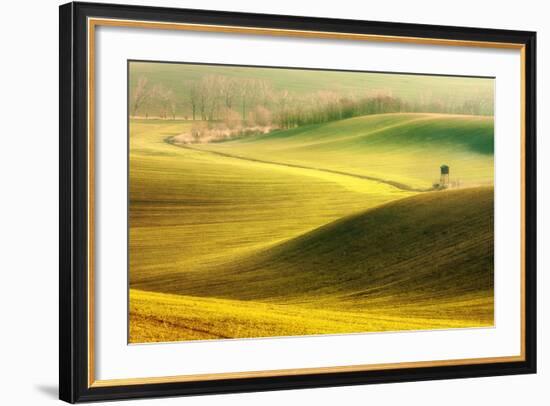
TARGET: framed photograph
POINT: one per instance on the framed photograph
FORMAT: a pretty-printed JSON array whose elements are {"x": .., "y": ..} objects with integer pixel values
[{"x": 258, "y": 202}]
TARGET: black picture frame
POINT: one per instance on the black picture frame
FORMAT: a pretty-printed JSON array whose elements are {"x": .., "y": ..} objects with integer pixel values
[{"x": 74, "y": 384}]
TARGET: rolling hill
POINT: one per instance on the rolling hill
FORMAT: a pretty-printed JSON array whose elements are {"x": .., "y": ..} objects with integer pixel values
[
  {"x": 403, "y": 147},
  {"x": 186, "y": 205},
  {"x": 290, "y": 233},
  {"x": 420, "y": 262}
]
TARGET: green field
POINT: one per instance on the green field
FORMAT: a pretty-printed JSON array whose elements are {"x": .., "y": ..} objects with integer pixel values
[
  {"x": 406, "y": 148},
  {"x": 186, "y": 205},
  {"x": 314, "y": 230}
]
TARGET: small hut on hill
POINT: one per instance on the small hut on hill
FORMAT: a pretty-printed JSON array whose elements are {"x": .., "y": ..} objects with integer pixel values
[{"x": 444, "y": 178}]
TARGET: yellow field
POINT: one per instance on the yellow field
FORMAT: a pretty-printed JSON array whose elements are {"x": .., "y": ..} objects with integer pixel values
[
  {"x": 165, "y": 317},
  {"x": 283, "y": 235},
  {"x": 191, "y": 209}
]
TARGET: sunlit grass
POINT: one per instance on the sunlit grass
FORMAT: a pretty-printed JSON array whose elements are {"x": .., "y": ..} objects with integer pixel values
[
  {"x": 406, "y": 148},
  {"x": 227, "y": 247},
  {"x": 160, "y": 317},
  {"x": 190, "y": 209}
]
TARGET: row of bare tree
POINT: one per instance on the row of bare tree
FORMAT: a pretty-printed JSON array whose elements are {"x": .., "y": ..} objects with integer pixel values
[
  {"x": 246, "y": 102},
  {"x": 213, "y": 97}
]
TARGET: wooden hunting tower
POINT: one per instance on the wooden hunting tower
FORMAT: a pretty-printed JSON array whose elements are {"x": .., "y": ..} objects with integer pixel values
[{"x": 444, "y": 179}]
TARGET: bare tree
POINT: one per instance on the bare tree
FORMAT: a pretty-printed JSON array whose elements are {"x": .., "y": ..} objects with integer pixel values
[
  {"x": 247, "y": 94},
  {"x": 202, "y": 92},
  {"x": 228, "y": 90},
  {"x": 172, "y": 104},
  {"x": 260, "y": 116},
  {"x": 264, "y": 92},
  {"x": 211, "y": 87},
  {"x": 209, "y": 96},
  {"x": 231, "y": 118},
  {"x": 140, "y": 94},
  {"x": 193, "y": 96},
  {"x": 165, "y": 100}
]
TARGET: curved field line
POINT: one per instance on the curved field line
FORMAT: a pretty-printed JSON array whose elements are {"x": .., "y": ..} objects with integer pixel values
[{"x": 401, "y": 186}]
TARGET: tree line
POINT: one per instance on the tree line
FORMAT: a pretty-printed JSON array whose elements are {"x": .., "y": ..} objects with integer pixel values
[{"x": 247, "y": 102}]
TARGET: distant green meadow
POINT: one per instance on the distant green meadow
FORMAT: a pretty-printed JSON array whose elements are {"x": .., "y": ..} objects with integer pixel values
[{"x": 335, "y": 227}]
